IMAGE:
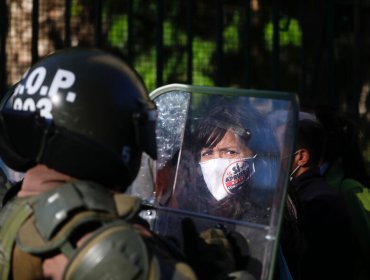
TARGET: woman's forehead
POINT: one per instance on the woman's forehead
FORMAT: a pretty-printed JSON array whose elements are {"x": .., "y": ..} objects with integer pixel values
[{"x": 231, "y": 139}]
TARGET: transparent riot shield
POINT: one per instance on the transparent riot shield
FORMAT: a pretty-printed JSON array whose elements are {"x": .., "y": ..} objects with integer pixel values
[{"x": 223, "y": 160}]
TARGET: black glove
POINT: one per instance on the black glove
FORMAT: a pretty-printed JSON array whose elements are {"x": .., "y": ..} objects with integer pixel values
[{"x": 213, "y": 253}]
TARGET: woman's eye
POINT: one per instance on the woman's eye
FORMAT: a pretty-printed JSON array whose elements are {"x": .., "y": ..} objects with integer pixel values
[
  {"x": 231, "y": 152},
  {"x": 206, "y": 153}
]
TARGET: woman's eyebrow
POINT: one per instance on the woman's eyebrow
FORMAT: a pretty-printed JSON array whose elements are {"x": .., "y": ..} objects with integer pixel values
[
  {"x": 206, "y": 150},
  {"x": 230, "y": 147}
]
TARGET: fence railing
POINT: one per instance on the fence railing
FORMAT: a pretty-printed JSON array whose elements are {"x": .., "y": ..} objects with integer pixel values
[{"x": 317, "y": 49}]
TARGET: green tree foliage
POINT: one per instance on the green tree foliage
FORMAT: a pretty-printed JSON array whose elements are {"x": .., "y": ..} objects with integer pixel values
[
  {"x": 289, "y": 31},
  {"x": 175, "y": 39},
  {"x": 117, "y": 34}
]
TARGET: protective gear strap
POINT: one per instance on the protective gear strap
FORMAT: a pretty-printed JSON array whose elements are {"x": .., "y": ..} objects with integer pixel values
[
  {"x": 60, "y": 213},
  {"x": 11, "y": 219},
  {"x": 53, "y": 208},
  {"x": 30, "y": 240}
]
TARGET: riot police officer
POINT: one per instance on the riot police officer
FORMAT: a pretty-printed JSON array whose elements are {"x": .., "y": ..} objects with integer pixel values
[{"x": 76, "y": 124}]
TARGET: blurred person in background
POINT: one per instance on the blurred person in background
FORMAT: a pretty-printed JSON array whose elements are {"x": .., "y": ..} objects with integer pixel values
[
  {"x": 325, "y": 220},
  {"x": 344, "y": 169}
]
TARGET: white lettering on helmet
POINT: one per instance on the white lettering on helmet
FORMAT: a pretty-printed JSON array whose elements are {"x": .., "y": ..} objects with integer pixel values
[
  {"x": 29, "y": 105},
  {"x": 50, "y": 94},
  {"x": 35, "y": 80},
  {"x": 45, "y": 106},
  {"x": 62, "y": 79},
  {"x": 17, "y": 104}
]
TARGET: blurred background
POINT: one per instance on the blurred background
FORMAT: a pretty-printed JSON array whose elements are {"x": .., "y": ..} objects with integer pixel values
[{"x": 318, "y": 49}]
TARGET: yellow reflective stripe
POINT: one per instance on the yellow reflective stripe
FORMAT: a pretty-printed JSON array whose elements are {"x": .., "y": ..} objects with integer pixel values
[{"x": 364, "y": 197}]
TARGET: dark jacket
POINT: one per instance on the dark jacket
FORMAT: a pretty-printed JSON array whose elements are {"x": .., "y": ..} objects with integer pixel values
[{"x": 326, "y": 228}]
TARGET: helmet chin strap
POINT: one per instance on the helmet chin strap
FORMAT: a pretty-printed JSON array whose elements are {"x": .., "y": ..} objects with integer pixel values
[{"x": 293, "y": 172}]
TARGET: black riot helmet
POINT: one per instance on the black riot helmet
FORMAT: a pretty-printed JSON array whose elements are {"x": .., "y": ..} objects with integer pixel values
[{"x": 82, "y": 112}]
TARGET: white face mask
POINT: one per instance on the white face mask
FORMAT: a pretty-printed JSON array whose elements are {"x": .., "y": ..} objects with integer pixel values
[
  {"x": 226, "y": 176},
  {"x": 291, "y": 177}
]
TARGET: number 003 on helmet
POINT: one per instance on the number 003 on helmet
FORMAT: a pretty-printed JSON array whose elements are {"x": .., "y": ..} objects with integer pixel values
[{"x": 83, "y": 112}]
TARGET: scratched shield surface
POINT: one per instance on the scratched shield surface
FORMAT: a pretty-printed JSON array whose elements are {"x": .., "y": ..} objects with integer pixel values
[{"x": 178, "y": 189}]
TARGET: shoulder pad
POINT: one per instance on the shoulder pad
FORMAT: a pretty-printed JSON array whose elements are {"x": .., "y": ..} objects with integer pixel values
[
  {"x": 120, "y": 251},
  {"x": 58, "y": 213},
  {"x": 115, "y": 251}
]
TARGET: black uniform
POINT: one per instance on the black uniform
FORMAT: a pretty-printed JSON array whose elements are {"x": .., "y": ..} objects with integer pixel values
[{"x": 326, "y": 227}]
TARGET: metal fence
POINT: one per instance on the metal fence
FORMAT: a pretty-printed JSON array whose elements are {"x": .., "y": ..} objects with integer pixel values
[{"x": 318, "y": 49}]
